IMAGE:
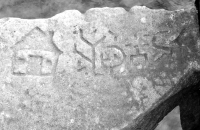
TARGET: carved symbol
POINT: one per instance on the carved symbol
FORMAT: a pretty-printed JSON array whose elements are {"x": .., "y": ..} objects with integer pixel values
[
  {"x": 115, "y": 37},
  {"x": 113, "y": 58},
  {"x": 93, "y": 46},
  {"x": 34, "y": 62},
  {"x": 31, "y": 57},
  {"x": 138, "y": 55},
  {"x": 80, "y": 66},
  {"x": 165, "y": 49}
]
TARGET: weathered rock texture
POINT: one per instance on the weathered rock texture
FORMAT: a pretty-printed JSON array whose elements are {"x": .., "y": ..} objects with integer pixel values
[{"x": 107, "y": 69}]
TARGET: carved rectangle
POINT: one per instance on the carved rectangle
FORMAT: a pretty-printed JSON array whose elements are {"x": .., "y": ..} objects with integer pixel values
[{"x": 34, "y": 62}]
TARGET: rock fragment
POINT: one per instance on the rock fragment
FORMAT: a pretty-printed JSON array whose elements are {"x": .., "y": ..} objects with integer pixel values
[{"x": 105, "y": 69}]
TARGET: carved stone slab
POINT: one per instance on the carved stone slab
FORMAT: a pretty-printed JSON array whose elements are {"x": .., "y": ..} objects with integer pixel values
[{"x": 106, "y": 69}]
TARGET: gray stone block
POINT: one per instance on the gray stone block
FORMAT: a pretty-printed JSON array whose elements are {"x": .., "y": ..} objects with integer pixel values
[{"x": 107, "y": 69}]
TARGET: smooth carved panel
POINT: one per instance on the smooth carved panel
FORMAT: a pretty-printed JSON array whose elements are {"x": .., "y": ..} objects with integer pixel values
[{"x": 40, "y": 60}]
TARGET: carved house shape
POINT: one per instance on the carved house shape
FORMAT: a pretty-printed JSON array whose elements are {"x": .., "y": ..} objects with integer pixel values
[{"x": 35, "y": 54}]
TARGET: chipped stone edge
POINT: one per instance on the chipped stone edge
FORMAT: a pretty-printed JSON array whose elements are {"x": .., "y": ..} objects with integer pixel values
[{"x": 120, "y": 9}]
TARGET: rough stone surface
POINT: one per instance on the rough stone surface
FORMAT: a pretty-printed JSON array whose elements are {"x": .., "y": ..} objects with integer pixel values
[{"x": 107, "y": 69}]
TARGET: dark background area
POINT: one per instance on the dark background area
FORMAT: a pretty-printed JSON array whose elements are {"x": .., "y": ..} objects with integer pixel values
[{"x": 31, "y": 9}]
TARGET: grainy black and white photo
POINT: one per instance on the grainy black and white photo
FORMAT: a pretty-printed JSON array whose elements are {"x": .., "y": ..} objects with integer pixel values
[{"x": 99, "y": 65}]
